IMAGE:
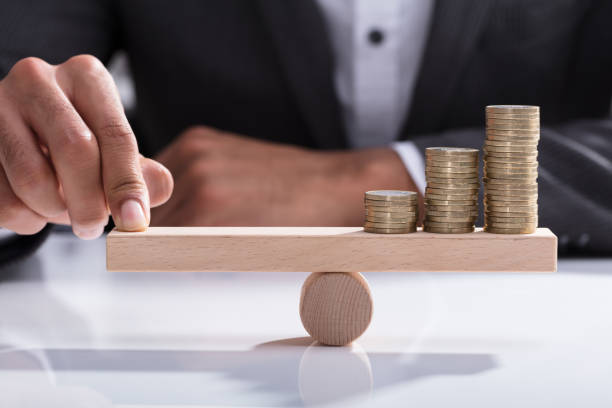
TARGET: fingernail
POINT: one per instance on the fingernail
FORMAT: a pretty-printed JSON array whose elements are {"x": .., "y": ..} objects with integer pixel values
[
  {"x": 132, "y": 216},
  {"x": 88, "y": 234}
]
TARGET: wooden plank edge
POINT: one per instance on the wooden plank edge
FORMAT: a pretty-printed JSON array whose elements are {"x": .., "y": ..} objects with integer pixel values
[{"x": 115, "y": 239}]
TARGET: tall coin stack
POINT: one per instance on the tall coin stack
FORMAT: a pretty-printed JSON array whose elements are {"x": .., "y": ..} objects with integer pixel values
[
  {"x": 451, "y": 196},
  {"x": 511, "y": 169},
  {"x": 390, "y": 211}
]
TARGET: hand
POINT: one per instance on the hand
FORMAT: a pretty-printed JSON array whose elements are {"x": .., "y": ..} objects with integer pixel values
[
  {"x": 68, "y": 154},
  {"x": 226, "y": 179}
]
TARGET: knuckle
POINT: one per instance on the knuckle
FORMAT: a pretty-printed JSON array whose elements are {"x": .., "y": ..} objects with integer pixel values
[
  {"x": 204, "y": 193},
  {"x": 198, "y": 135},
  {"x": 200, "y": 171},
  {"x": 26, "y": 174},
  {"x": 130, "y": 185},
  {"x": 209, "y": 194},
  {"x": 29, "y": 69},
  {"x": 75, "y": 143},
  {"x": 116, "y": 132},
  {"x": 86, "y": 64}
]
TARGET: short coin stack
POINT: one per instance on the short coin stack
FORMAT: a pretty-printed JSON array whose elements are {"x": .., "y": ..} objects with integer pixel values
[
  {"x": 511, "y": 169},
  {"x": 451, "y": 196},
  {"x": 390, "y": 211}
]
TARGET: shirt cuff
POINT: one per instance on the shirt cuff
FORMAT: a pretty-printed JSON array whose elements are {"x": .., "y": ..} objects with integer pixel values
[{"x": 413, "y": 160}]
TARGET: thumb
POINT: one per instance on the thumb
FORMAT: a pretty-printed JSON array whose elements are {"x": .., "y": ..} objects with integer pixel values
[{"x": 158, "y": 179}]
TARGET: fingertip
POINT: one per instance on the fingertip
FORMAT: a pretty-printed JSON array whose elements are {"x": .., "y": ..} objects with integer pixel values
[
  {"x": 131, "y": 216},
  {"x": 88, "y": 234}
]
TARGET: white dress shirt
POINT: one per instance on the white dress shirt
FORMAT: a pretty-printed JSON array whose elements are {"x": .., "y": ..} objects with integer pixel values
[{"x": 378, "y": 47}]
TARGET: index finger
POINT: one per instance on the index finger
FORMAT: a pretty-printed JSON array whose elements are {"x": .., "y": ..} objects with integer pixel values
[{"x": 94, "y": 95}]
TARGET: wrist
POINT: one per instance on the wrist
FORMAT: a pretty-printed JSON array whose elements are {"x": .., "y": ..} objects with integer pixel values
[{"x": 355, "y": 172}]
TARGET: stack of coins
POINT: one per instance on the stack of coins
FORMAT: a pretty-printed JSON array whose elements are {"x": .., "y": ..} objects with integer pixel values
[
  {"x": 511, "y": 169},
  {"x": 451, "y": 196},
  {"x": 390, "y": 211}
]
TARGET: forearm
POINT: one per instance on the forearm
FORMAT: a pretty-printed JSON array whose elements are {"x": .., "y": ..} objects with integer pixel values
[{"x": 368, "y": 169}]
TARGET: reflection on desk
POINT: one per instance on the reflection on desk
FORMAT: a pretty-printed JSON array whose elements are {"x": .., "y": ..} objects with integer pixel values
[{"x": 74, "y": 335}]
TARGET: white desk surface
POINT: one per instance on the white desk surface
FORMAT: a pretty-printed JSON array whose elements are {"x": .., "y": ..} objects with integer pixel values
[{"x": 74, "y": 335}]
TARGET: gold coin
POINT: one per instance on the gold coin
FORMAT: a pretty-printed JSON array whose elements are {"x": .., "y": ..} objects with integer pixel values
[
  {"x": 456, "y": 205},
  {"x": 494, "y": 189},
  {"x": 451, "y": 151},
  {"x": 444, "y": 207},
  {"x": 390, "y": 203},
  {"x": 494, "y": 182},
  {"x": 448, "y": 230},
  {"x": 371, "y": 224},
  {"x": 510, "y": 166},
  {"x": 519, "y": 139},
  {"x": 387, "y": 218},
  {"x": 452, "y": 185},
  {"x": 505, "y": 161},
  {"x": 442, "y": 175},
  {"x": 511, "y": 214},
  {"x": 508, "y": 176},
  {"x": 504, "y": 203},
  {"x": 451, "y": 197},
  {"x": 494, "y": 146},
  {"x": 513, "y": 132},
  {"x": 511, "y": 176},
  {"x": 511, "y": 198},
  {"x": 508, "y": 191},
  {"x": 461, "y": 224},
  {"x": 512, "y": 124},
  {"x": 452, "y": 163},
  {"x": 391, "y": 195},
  {"x": 512, "y": 109},
  {"x": 391, "y": 217},
  {"x": 391, "y": 214},
  {"x": 493, "y": 126},
  {"x": 456, "y": 214},
  {"x": 435, "y": 218},
  {"x": 451, "y": 191},
  {"x": 491, "y": 219},
  {"x": 493, "y": 153},
  {"x": 390, "y": 230},
  {"x": 405, "y": 209},
  {"x": 510, "y": 171},
  {"x": 473, "y": 170},
  {"x": 511, "y": 208},
  {"x": 512, "y": 149},
  {"x": 495, "y": 230},
  {"x": 511, "y": 157},
  {"x": 386, "y": 224},
  {"x": 433, "y": 201},
  {"x": 498, "y": 126},
  {"x": 496, "y": 143},
  {"x": 497, "y": 115}
]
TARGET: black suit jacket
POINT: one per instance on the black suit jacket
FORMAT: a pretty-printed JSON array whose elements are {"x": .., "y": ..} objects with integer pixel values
[{"x": 264, "y": 68}]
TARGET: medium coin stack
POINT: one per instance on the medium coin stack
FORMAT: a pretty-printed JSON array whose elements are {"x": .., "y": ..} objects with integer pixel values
[
  {"x": 451, "y": 196},
  {"x": 390, "y": 211},
  {"x": 511, "y": 169}
]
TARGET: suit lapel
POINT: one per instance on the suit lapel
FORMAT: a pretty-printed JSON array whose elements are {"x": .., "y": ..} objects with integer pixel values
[
  {"x": 298, "y": 33},
  {"x": 456, "y": 25}
]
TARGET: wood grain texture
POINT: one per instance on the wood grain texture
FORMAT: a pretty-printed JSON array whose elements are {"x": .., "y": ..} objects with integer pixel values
[
  {"x": 324, "y": 249},
  {"x": 336, "y": 307}
]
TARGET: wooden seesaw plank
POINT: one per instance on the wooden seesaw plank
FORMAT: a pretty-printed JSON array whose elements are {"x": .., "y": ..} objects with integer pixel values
[{"x": 326, "y": 249}]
